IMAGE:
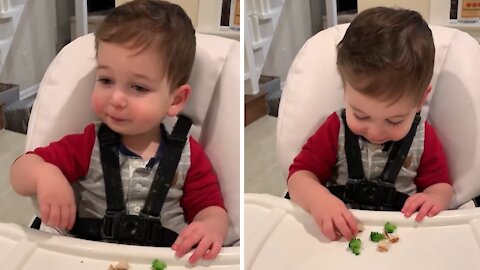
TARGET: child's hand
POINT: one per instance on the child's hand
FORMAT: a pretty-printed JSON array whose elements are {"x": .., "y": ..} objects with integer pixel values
[
  {"x": 205, "y": 235},
  {"x": 334, "y": 219},
  {"x": 426, "y": 204},
  {"x": 56, "y": 200}
]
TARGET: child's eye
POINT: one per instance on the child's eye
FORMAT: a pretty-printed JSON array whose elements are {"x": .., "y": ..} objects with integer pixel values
[
  {"x": 105, "y": 81},
  {"x": 360, "y": 117},
  {"x": 139, "y": 88},
  {"x": 394, "y": 123}
]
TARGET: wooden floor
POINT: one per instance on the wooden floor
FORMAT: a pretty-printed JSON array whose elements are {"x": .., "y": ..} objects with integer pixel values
[{"x": 262, "y": 173}]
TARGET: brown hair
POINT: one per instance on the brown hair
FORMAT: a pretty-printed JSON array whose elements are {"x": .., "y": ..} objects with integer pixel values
[
  {"x": 387, "y": 52},
  {"x": 145, "y": 23}
]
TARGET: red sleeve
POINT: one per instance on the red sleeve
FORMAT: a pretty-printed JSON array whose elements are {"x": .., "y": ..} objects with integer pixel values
[
  {"x": 201, "y": 188},
  {"x": 71, "y": 154},
  {"x": 433, "y": 167},
  {"x": 319, "y": 154}
]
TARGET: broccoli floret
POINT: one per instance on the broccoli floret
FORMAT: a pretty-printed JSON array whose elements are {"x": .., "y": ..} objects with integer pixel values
[
  {"x": 376, "y": 236},
  {"x": 158, "y": 265},
  {"x": 355, "y": 245},
  {"x": 390, "y": 227}
]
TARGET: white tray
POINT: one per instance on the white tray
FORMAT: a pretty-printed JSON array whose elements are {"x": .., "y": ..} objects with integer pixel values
[
  {"x": 28, "y": 249},
  {"x": 280, "y": 235}
]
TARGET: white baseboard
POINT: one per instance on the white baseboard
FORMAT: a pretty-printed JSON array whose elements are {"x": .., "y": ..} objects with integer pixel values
[{"x": 26, "y": 93}]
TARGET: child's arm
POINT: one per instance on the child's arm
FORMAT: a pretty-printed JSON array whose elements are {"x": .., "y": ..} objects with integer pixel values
[
  {"x": 207, "y": 231},
  {"x": 430, "y": 202},
  {"x": 31, "y": 175},
  {"x": 433, "y": 179},
  {"x": 329, "y": 212}
]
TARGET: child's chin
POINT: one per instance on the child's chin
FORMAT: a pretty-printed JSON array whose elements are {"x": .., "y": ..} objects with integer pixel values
[{"x": 378, "y": 142}]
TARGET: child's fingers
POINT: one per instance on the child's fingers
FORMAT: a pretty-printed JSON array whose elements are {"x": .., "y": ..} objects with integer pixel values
[
  {"x": 186, "y": 243},
  {"x": 328, "y": 229},
  {"x": 73, "y": 216},
  {"x": 183, "y": 234},
  {"x": 411, "y": 205},
  {"x": 64, "y": 216},
  {"x": 200, "y": 250},
  {"x": 351, "y": 222},
  {"x": 214, "y": 250},
  {"x": 54, "y": 218},
  {"x": 342, "y": 227},
  {"x": 434, "y": 210},
  {"x": 44, "y": 212},
  {"x": 426, "y": 207}
]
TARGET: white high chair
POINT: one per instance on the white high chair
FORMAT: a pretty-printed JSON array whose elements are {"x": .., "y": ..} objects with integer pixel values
[
  {"x": 62, "y": 106},
  {"x": 281, "y": 235},
  {"x": 313, "y": 90}
]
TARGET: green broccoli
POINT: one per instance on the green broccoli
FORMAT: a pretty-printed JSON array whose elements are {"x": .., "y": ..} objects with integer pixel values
[
  {"x": 355, "y": 245},
  {"x": 390, "y": 227},
  {"x": 158, "y": 265},
  {"x": 376, "y": 236}
]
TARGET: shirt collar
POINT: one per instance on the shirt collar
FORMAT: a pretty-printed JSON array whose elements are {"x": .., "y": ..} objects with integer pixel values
[
  {"x": 386, "y": 146},
  {"x": 122, "y": 149}
]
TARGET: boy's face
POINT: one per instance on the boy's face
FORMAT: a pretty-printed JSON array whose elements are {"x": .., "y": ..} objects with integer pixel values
[
  {"x": 377, "y": 120},
  {"x": 131, "y": 96}
]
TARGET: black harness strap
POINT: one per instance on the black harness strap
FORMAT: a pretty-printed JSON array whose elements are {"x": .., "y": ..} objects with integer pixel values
[
  {"x": 375, "y": 194},
  {"x": 353, "y": 153},
  {"x": 111, "y": 169},
  {"x": 399, "y": 153},
  {"x": 146, "y": 228},
  {"x": 167, "y": 167}
]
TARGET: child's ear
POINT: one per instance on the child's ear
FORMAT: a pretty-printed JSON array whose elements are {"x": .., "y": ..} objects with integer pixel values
[
  {"x": 424, "y": 97},
  {"x": 179, "y": 99}
]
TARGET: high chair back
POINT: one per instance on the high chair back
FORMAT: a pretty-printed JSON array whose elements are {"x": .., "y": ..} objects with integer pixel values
[
  {"x": 62, "y": 106},
  {"x": 314, "y": 89}
]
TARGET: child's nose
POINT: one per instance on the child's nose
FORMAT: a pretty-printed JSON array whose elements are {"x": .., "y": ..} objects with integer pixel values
[
  {"x": 376, "y": 133},
  {"x": 118, "y": 98}
]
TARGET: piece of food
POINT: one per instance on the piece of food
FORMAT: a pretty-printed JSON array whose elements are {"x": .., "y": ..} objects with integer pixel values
[
  {"x": 158, "y": 265},
  {"x": 383, "y": 245},
  {"x": 355, "y": 246},
  {"x": 390, "y": 227},
  {"x": 360, "y": 227},
  {"x": 376, "y": 236},
  {"x": 391, "y": 237},
  {"x": 121, "y": 265}
]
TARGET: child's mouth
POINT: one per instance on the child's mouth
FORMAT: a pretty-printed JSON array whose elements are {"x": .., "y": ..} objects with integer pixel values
[{"x": 116, "y": 119}]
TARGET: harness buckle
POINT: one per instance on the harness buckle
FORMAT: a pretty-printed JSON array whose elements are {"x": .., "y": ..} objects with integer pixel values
[
  {"x": 109, "y": 228},
  {"x": 130, "y": 229},
  {"x": 369, "y": 194}
]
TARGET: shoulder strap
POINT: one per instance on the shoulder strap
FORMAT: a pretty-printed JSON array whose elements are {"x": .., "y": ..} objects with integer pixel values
[
  {"x": 352, "y": 152},
  {"x": 167, "y": 167},
  {"x": 399, "y": 153},
  {"x": 111, "y": 168}
]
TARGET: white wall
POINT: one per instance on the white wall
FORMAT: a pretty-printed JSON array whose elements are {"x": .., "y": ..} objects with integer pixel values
[
  {"x": 33, "y": 46},
  {"x": 293, "y": 29}
]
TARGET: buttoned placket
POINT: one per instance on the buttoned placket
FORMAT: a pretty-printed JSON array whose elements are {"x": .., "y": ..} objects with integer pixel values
[{"x": 134, "y": 186}]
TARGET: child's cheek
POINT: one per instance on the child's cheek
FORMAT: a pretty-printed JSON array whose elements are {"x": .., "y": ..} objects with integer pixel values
[
  {"x": 356, "y": 126},
  {"x": 96, "y": 103}
]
